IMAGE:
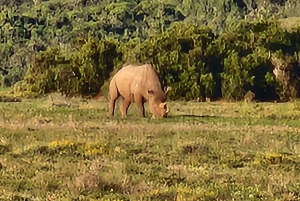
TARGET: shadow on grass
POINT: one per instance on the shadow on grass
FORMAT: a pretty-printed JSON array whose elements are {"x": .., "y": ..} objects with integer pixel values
[
  {"x": 132, "y": 117},
  {"x": 190, "y": 118},
  {"x": 194, "y": 116}
]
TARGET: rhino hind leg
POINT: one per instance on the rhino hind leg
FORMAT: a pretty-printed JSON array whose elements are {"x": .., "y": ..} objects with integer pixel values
[
  {"x": 124, "y": 107},
  {"x": 138, "y": 99},
  {"x": 112, "y": 104},
  {"x": 114, "y": 95}
]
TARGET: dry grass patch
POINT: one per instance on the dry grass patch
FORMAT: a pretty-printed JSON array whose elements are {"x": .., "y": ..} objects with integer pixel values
[{"x": 290, "y": 22}]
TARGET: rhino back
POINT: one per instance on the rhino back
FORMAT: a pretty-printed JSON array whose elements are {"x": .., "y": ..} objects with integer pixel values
[{"x": 132, "y": 79}]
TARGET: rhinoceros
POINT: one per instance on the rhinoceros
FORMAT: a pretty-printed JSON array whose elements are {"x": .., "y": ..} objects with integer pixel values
[{"x": 138, "y": 84}]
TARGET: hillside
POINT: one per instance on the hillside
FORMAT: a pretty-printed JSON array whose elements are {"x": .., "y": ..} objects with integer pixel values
[{"x": 29, "y": 27}]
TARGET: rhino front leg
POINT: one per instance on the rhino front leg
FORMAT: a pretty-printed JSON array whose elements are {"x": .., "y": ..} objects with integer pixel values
[
  {"x": 140, "y": 105},
  {"x": 124, "y": 107}
]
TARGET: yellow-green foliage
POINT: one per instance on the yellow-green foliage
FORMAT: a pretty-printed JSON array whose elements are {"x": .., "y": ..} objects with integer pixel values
[
  {"x": 200, "y": 48},
  {"x": 83, "y": 148},
  {"x": 191, "y": 59},
  {"x": 82, "y": 72}
]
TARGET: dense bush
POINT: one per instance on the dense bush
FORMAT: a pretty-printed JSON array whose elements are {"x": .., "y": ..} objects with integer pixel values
[
  {"x": 202, "y": 49},
  {"x": 191, "y": 59},
  {"x": 81, "y": 72}
]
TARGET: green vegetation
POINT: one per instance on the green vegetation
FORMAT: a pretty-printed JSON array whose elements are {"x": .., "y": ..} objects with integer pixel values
[
  {"x": 208, "y": 151},
  {"x": 211, "y": 49}
]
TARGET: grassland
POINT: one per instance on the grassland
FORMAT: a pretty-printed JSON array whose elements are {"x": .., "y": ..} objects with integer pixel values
[{"x": 204, "y": 151}]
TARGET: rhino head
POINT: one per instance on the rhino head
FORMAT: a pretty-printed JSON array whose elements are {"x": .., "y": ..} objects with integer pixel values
[{"x": 157, "y": 102}]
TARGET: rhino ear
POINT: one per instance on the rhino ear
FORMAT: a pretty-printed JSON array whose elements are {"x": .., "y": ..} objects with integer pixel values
[
  {"x": 162, "y": 105},
  {"x": 168, "y": 90}
]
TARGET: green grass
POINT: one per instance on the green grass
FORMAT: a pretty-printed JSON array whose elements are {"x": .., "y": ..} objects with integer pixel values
[{"x": 204, "y": 151}]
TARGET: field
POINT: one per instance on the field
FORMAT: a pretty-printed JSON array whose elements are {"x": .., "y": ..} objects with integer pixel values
[{"x": 204, "y": 151}]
